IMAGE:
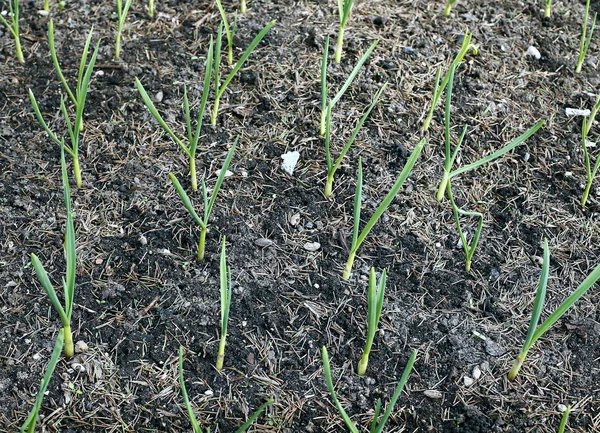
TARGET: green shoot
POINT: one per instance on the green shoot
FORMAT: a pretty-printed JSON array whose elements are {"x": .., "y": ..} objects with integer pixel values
[
  {"x": 333, "y": 166},
  {"x": 439, "y": 88},
  {"x": 192, "y": 136},
  {"x": 534, "y": 334},
  {"x": 451, "y": 155},
  {"x": 29, "y": 424},
  {"x": 195, "y": 426},
  {"x": 77, "y": 97},
  {"x": 592, "y": 116},
  {"x": 68, "y": 281},
  {"x": 469, "y": 249},
  {"x": 243, "y": 7},
  {"x": 220, "y": 87},
  {"x": 589, "y": 171},
  {"x": 228, "y": 32},
  {"x": 547, "y": 8},
  {"x": 225, "y": 283},
  {"x": 122, "y": 10},
  {"x": 448, "y": 7},
  {"x": 375, "y": 304},
  {"x": 344, "y": 8},
  {"x": 47, "y": 5},
  {"x": 341, "y": 92},
  {"x": 564, "y": 419},
  {"x": 584, "y": 44},
  {"x": 208, "y": 204},
  {"x": 376, "y": 427},
  {"x": 13, "y": 27},
  {"x": 357, "y": 239},
  {"x": 151, "y": 8}
]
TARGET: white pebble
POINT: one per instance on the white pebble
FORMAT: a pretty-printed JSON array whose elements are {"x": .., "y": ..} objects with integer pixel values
[
  {"x": 227, "y": 173},
  {"x": 290, "y": 160},
  {"x": 81, "y": 347},
  {"x": 312, "y": 246},
  {"x": 476, "y": 372},
  {"x": 561, "y": 408},
  {"x": 577, "y": 112},
  {"x": 432, "y": 393},
  {"x": 159, "y": 97},
  {"x": 533, "y": 52},
  {"x": 468, "y": 381}
]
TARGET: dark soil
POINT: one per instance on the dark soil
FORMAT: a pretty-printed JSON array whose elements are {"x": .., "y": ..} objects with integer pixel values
[{"x": 141, "y": 294}]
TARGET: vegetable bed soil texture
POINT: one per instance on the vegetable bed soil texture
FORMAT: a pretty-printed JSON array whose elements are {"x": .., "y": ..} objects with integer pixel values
[{"x": 141, "y": 293}]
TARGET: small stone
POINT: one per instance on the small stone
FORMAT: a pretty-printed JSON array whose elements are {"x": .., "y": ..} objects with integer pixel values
[
  {"x": 263, "y": 242},
  {"x": 432, "y": 393},
  {"x": 290, "y": 160},
  {"x": 312, "y": 246},
  {"x": 43, "y": 13},
  {"x": 533, "y": 52},
  {"x": 408, "y": 50},
  {"x": 99, "y": 73},
  {"x": 159, "y": 96},
  {"x": 561, "y": 408},
  {"x": 99, "y": 261},
  {"x": 309, "y": 225},
  {"x": 526, "y": 157},
  {"x": 380, "y": 21},
  {"x": 494, "y": 349},
  {"x": 227, "y": 173},
  {"x": 81, "y": 347},
  {"x": 577, "y": 112},
  {"x": 468, "y": 381},
  {"x": 208, "y": 393},
  {"x": 295, "y": 219},
  {"x": 143, "y": 240},
  {"x": 476, "y": 372}
]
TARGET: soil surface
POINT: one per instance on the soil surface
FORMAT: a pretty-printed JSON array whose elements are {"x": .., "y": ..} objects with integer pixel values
[{"x": 141, "y": 294}]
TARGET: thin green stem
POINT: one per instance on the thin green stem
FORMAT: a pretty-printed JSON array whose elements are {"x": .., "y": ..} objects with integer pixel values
[
  {"x": 193, "y": 178},
  {"x": 69, "y": 348},
  {"x": 77, "y": 171},
  {"x": 349, "y": 264},
  {"x": 586, "y": 192},
  {"x": 201, "y": 244},
  {"x": 339, "y": 46},
  {"x": 242, "y": 7}
]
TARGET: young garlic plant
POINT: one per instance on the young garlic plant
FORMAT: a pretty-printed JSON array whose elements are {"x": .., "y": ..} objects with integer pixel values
[
  {"x": 13, "y": 27},
  {"x": 589, "y": 171},
  {"x": 229, "y": 33},
  {"x": 31, "y": 421},
  {"x": 357, "y": 239},
  {"x": 243, "y": 7},
  {"x": 376, "y": 424},
  {"x": 344, "y": 8},
  {"x": 208, "y": 204},
  {"x": 535, "y": 332},
  {"x": 68, "y": 281},
  {"x": 448, "y": 7},
  {"x": 122, "y": 11},
  {"x": 439, "y": 88},
  {"x": 325, "y": 105},
  {"x": 451, "y": 155},
  {"x": 547, "y": 8},
  {"x": 584, "y": 44},
  {"x": 225, "y": 283},
  {"x": 151, "y": 8},
  {"x": 78, "y": 97},
  {"x": 220, "y": 87},
  {"x": 192, "y": 136},
  {"x": 195, "y": 426},
  {"x": 564, "y": 420},
  {"x": 331, "y": 165},
  {"x": 376, "y": 293}
]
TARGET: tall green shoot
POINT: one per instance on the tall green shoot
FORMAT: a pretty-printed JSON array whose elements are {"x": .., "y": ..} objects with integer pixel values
[
  {"x": 31, "y": 421},
  {"x": 13, "y": 27},
  {"x": 195, "y": 426},
  {"x": 225, "y": 284},
  {"x": 68, "y": 282},
  {"x": 208, "y": 203},
  {"x": 589, "y": 171},
  {"x": 376, "y": 293},
  {"x": 439, "y": 88},
  {"x": 584, "y": 43},
  {"x": 564, "y": 420},
  {"x": 193, "y": 137},
  {"x": 228, "y": 32},
  {"x": 340, "y": 93},
  {"x": 151, "y": 8},
  {"x": 448, "y": 7},
  {"x": 377, "y": 425},
  {"x": 122, "y": 11},
  {"x": 547, "y": 8},
  {"x": 357, "y": 239},
  {"x": 331, "y": 165},
  {"x": 451, "y": 155},
  {"x": 344, "y": 8},
  {"x": 535, "y": 332},
  {"x": 220, "y": 87}
]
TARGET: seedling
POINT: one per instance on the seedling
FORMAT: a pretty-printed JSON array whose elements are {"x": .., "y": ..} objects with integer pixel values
[
  {"x": 29, "y": 424},
  {"x": 228, "y": 32},
  {"x": 534, "y": 334},
  {"x": 78, "y": 97},
  {"x": 589, "y": 171},
  {"x": 220, "y": 88},
  {"x": 357, "y": 239},
  {"x": 376, "y": 427},
  {"x": 592, "y": 116},
  {"x": 333, "y": 166},
  {"x": 344, "y": 8},
  {"x": 584, "y": 44},
  {"x": 208, "y": 204},
  {"x": 46, "y": 5},
  {"x": 375, "y": 296},
  {"x": 151, "y": 8},
  {"x": 547, "y": 8},
  {"x": 243, "y": 7},
  {"x": 225, "y": 283},
  {"x": 192, "y": 137},
  {"x": 439, "y": 88},
  {"x": 195, "y": 426},
  {"x": 340, "y": 93},
  {"x": 451, "y": 156},
  {"x": 469, "y": 249},
  {"x": 68, "y": 281},
  {"x": 564, "y": 419},
  {"x": 13, "y": 27},
  {"x": 122, "y": 10},
  {"x": 448, "y": 7}
]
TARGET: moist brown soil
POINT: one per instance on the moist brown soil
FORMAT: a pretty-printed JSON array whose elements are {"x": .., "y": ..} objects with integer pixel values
[{"x": 141, "y": 294}]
